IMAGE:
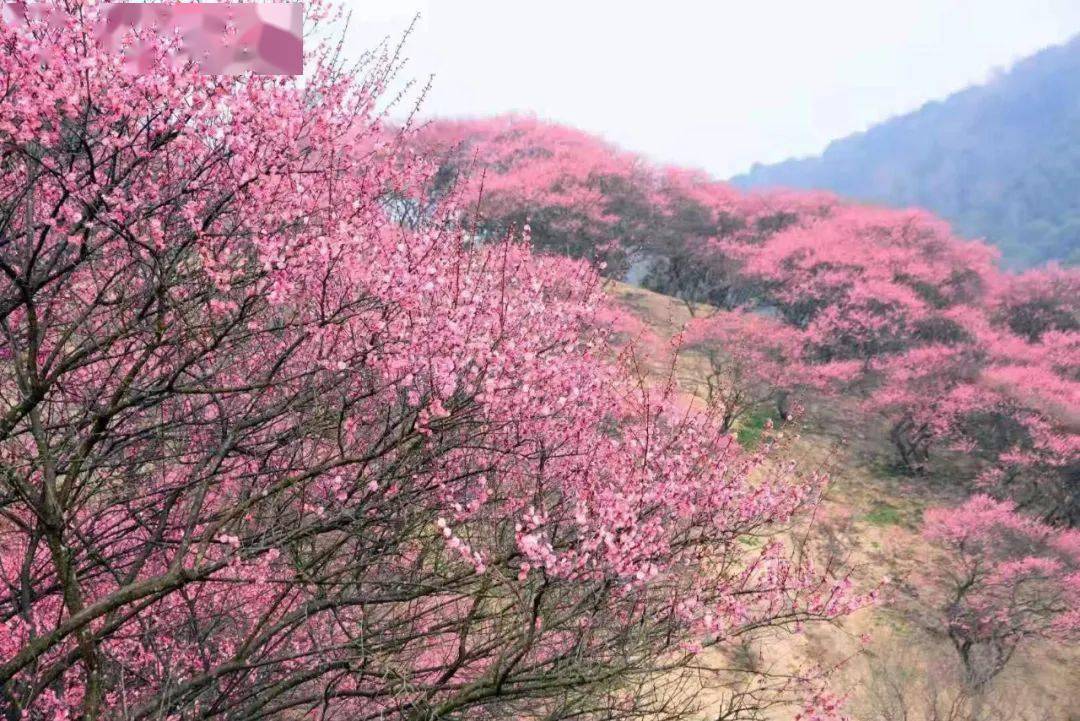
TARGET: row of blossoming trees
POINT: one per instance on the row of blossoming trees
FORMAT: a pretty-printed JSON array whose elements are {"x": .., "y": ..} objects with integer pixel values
[
  {"x": 808, "y": 292},
  {"x": 274, "y": 445},
  {"x": 954, "y": 352}
]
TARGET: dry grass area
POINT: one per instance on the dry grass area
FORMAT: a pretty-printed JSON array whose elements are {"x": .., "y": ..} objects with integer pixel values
[{"x": 907, "y": 671}]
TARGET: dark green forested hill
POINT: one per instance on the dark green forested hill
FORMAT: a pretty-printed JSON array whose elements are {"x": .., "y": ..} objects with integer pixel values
[{"x": 1000, "y": 160}]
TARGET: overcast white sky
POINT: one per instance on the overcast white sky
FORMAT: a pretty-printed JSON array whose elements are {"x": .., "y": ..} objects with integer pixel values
[{"x": 715, "y": 84}]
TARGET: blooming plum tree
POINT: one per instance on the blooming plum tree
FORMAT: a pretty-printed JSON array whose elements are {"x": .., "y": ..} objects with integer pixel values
[
  {"x": 998, "y": 397},
  {"x": 1005, "y": 579},
  {"x": 753, "y": 360},
  {"x": 1040, "y": 300},
  {"x": 579, "y": 196},
  {"x": 265, "y": 451},
  {"x": 953, "y": 351},
  {"x": 866, "y": 282}
]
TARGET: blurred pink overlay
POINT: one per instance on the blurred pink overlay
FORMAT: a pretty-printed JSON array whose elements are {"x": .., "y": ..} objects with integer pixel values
[{"x": 223, "y": 38}]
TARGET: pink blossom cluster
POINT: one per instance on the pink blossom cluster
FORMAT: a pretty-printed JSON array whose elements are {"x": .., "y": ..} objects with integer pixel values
[
  {"x": 955, "y": 352},
  {"x": 277, "y": 440},
  {"x": 1005, "y": 578}
]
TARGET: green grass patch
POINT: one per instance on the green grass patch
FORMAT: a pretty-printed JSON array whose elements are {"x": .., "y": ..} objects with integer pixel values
[
  {"x": 752, "y": 425},
  {"x": 884, "y": 514},
  {"x": 888, "y": 467}
]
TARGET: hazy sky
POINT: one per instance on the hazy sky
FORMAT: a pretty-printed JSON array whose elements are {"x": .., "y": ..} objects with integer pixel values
[{"x": 716, "y": 84}]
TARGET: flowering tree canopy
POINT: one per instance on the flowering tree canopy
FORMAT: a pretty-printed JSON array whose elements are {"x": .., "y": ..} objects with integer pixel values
[
  {"x": 951, "y": 350},
  {"x": 580, "y": 197},
  {"x": 755, "y": 360},
  {"x": 267, "y": 450},
  {"x": 1005, "y": 579}
]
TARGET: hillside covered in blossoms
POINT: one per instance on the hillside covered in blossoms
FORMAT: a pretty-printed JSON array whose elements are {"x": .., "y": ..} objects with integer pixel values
[
  {"x": 808, "y": 289},
  {"x": 959, "y": 376},
  {"x": 308, "y": 414}
]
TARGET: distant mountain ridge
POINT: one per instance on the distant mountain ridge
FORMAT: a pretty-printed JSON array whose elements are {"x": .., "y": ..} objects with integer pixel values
[{"x": 1000, "y": 161}]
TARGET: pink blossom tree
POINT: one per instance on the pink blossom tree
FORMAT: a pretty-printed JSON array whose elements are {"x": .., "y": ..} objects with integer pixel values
[
  {"x": 866, "y": 282},
  {"x": 663, "y": 227},
  {"x": 955, "y": 353},
  {"x": 753, "y": 360},
  {"x": 1040, "y": 300},
  {"x": 265, "y": 451},
  {"x": 1004, "y": 580},
  {"x": 997, "y": 397},
  {"x": 578, "y": 195}
]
